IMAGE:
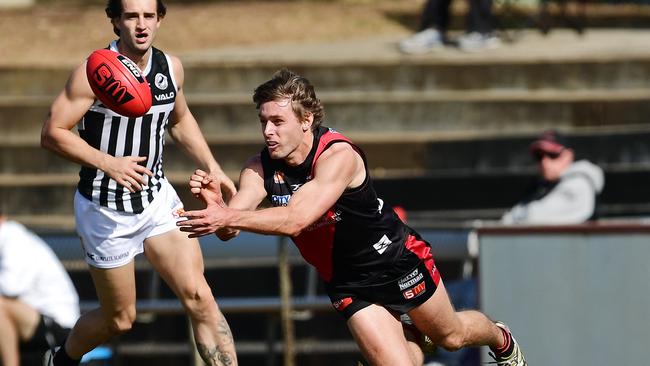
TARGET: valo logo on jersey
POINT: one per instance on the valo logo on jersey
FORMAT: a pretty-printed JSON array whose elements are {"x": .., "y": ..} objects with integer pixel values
[{"x": 168, "y": 96}]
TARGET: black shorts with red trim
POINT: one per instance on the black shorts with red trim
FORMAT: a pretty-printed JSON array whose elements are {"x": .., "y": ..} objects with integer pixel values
[{"x": 407, "y": 291}]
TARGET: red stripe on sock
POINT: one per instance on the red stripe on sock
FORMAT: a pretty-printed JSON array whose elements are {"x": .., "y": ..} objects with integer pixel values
[{"x": 506, "y": 345}]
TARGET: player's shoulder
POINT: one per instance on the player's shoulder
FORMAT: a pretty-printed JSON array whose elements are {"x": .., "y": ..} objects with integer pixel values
[
  {"x": 338, "y": 148},
  {"x": 78, "y": 83},
  {"x": 254, "y": 161},
  {"x": 174, "y": 59},
  {"x": 176, "y": 62},
  {"x": 177, "y": 67}
]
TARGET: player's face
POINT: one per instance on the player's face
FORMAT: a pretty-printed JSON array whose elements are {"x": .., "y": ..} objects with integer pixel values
[
  {"x": 284, "y": 133},
  {"x": 138, "y": 25}
]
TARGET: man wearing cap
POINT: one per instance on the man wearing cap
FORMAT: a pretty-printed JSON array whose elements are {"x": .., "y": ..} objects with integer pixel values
[{"x": 567, "y": 190}]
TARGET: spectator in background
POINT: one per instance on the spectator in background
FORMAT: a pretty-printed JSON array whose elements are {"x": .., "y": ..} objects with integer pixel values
[
  {"x": 432, "y": 33},
  {"x": 567, "y": 191},
  {"x": 38, "y": 302}
]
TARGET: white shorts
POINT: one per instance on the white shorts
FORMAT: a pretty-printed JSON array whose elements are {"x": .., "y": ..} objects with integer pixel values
[{"x": 112, "y": 238}]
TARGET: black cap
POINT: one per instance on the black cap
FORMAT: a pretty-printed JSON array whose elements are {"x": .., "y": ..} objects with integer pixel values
[{"x": 549, "y": 142}]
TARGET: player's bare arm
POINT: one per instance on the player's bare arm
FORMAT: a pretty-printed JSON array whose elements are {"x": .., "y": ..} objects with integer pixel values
[
  {"x": 186, "y": 133},
  {"x": 338, "y": 169},
  {"x": 250, "y": 194},
  {"x": 57, "y": 136}
]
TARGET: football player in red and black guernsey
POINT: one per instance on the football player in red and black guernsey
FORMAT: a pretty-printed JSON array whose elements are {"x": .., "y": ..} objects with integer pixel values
[
  {"x": 375, "y": 267},
  {"x": 124, "y": 204}
]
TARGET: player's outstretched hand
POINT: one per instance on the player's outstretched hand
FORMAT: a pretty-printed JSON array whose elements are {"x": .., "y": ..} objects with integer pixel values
[
  {"x": 226, "y": 233},
  {"x": 218, "y": 185},
  {"x": 205, "y": 188},
  {"x": 206, "y": 221},
  {"x": 228, "y": 189}
]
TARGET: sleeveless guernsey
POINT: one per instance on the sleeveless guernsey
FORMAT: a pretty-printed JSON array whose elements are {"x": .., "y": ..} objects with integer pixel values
[
  {"x": 118, "y": 135},
  {"x": 360, "y": 239}
]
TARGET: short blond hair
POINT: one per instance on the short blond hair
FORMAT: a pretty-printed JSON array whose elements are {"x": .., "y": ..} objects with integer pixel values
[{"x": 286, "y": 84}]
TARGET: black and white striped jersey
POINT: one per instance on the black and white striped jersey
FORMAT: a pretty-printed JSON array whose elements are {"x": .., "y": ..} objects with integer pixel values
[{"x": 118, "y": 135}]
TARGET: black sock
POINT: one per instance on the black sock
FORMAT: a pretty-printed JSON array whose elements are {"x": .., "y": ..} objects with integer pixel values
[{"x": 61, "y": 358}]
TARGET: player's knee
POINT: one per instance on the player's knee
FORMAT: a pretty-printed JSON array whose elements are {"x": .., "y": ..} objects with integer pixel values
[
  {"x": 198, "y": 301},
  {"x": 453, "y": 341},
  {"x": 122, "y": 321}
]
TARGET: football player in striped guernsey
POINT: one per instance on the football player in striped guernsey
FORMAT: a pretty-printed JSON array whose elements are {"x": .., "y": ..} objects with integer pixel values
[{"x": 124, "y": 204}]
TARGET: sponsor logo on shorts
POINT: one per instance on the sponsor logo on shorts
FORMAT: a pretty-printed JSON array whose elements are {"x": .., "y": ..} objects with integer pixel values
[
  {"x": 415, "y": 291},
  {"x": 340, "y": 305},
  {"x": 109, "y": 258},
  {"x": 410, "y": 279},
  {"x": 178, "y": 212}
]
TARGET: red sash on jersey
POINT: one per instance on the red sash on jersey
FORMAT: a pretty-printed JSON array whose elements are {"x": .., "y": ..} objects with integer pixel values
[{"x": 316, "y": 242}]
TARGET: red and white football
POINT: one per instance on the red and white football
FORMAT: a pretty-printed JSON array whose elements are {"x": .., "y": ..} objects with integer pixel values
[{"x": 118, "y": 83}]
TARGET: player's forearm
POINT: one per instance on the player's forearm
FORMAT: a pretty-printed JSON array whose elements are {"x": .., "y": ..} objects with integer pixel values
[
  {"x": 270, "y": 221},
  {"x": 72, "y": 147}
]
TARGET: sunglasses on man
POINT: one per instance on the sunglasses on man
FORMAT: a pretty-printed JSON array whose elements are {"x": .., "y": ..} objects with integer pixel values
[{"x": 541, "y": 154}]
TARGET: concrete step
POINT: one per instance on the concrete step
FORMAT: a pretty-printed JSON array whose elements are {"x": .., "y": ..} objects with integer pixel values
[
  {"x": 487, "y": 196},
  {"x": 437, "y": 198},
  {"x": 397, "y": 112},
  {"x": 613, "y": 149},
  {"x": 431, "y": 74},
  {"x": 395, "y": 157},
  {"x": 389, "y": 155},
  {"x": 379, "y": 74}
]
